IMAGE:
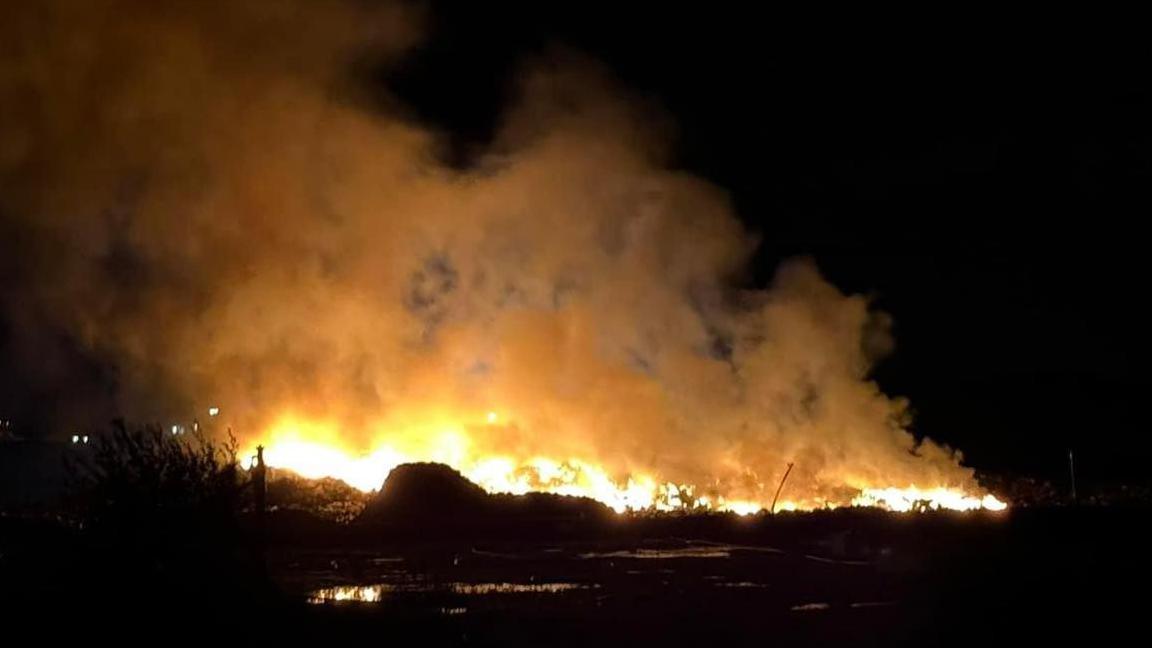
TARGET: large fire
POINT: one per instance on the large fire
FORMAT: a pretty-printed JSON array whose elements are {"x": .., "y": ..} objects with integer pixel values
[
  {"x": 316, "y": 450},
  {"x": 569, "y": 310}
]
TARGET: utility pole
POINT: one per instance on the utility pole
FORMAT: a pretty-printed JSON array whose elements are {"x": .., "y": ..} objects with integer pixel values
[
  {"x": 260, "y": 483},
  {"x": 260, "y": 501}
]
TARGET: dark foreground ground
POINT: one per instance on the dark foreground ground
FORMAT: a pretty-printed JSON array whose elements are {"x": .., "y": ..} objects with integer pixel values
[{"x": 838, "y": 578}]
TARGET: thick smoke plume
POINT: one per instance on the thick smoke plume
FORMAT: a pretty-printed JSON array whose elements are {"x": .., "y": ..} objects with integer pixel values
[{"x": 198, "y": 195}]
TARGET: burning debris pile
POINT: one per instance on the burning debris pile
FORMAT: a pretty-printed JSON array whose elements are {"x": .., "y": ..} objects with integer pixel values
[
  {"x": 569, "y": 313},
  {"x": 328, "y": 498}
]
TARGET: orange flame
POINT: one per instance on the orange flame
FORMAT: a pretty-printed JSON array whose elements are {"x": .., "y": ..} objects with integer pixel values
[{"x": 316, "y": 450}]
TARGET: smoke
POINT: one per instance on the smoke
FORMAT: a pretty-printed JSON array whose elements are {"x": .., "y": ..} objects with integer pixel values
[{"x": 197, "y": 196}]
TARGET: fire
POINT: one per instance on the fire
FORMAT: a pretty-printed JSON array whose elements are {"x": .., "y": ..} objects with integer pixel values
[
  {"x": 908, "y": 499},
  {"x": 316, "y": 450},
  {"x": 566, "y": 313}
]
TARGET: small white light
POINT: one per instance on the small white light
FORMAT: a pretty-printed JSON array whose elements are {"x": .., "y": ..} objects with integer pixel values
[
  {"x": 85, "y": 438},
  {"x": 213, "y": 411},
  {"x": 75, "y": 438},
  {"x": 492, "y": 417},
  {"x": 175, "y": 429}
]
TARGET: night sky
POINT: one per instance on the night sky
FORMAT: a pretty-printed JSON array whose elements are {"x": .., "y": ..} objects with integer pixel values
[{"x": 982, "y": 178}]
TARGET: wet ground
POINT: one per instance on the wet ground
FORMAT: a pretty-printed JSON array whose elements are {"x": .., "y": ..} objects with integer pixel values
[
  {"x": 671, "y": 589},
  {"x": 954, "y": 581},
  {"x": 573, "y": 576},
  {"x": 846, "y": 578}
]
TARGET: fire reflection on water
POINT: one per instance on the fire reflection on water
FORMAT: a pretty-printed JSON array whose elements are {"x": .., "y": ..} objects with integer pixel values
[{"x": 375, "y": 593}]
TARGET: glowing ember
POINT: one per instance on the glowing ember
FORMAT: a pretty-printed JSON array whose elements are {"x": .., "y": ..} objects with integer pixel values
[{"x": 315, "y": 451}]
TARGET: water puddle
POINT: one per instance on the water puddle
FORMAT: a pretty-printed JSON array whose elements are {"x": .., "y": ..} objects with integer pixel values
[
  {"x": 833, "y": 561},
  {"x": 375, "y": 593},
  {"x": 732, "y": 547},
  {"x": 654, "y": 554},
  {"x": 353, "y": 593},
  {"x": 516, "y": 588}
]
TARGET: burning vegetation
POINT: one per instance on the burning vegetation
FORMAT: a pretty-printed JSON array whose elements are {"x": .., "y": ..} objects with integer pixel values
[
  {"x": 566, "y": 313},
  {"x": 505, "y": 475}
]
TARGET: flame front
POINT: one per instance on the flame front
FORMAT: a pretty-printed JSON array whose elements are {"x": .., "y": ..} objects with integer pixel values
[{"x": 315, "y": 450}]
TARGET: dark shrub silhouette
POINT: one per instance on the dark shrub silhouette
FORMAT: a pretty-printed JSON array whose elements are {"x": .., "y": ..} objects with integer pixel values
[
  {"x": 136, "y": 478},
  {"x": 162, "y": 511}
]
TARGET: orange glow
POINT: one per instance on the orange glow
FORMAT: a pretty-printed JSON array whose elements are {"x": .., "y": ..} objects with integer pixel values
[{"x": 315, "y": 450}]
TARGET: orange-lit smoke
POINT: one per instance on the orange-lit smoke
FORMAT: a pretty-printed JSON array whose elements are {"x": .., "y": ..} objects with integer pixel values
[{"x": 215, "y": 205}]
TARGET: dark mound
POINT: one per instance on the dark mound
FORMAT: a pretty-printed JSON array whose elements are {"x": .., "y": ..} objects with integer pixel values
[
  {"x": 431, "y": 496},
  {"x": 426, "y": 490}
]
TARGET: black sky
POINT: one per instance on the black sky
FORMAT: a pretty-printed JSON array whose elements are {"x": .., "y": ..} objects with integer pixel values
[{"x": 984, "y": 178}]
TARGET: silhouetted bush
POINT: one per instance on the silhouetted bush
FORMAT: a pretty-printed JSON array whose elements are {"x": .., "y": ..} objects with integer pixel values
[
  {"x": 134, "y": 478},
  {"x": 161, "y": 511}
]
